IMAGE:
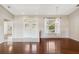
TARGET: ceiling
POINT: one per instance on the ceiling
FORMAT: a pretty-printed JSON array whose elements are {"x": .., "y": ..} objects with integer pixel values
[{"x": 40, "y": 9}]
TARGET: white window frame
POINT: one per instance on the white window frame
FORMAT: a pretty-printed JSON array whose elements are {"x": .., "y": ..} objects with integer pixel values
[{"x": 57, "y": 25}]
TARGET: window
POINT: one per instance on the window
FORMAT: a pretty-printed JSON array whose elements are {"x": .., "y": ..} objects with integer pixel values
[
  {"x": 52, "y": 25},
  {"x": 30, "y": 28}
]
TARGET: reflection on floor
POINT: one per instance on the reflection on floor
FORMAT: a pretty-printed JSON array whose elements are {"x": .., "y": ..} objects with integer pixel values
[{"x": 46, "y": 45}]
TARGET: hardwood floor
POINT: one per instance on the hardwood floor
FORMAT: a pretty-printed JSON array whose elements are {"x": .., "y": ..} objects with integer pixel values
[
  {"x": 45, "y": 46},
  {"x": 19, "y": 47}
]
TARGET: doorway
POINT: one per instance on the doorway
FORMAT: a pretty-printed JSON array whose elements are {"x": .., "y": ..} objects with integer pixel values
[{"x": 8, "y": 31}]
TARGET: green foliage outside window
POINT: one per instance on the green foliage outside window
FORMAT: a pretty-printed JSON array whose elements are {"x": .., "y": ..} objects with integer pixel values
[{"x": 51, "y": 27}]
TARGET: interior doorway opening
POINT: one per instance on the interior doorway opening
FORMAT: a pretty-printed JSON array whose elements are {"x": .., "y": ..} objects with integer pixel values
[{"x": 8, "y": 31}]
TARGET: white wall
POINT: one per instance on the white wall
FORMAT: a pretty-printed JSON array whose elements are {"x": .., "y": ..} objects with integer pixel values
[
  {"x": 17, "y": 28},
  {"x": 1, "y": 31},
  {"x": 74, "y": 25},
  {"x": 64, "y": 26}
]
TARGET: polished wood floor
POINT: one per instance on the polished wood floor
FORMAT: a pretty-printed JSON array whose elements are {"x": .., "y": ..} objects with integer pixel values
[{"x": 45, "y": 46}]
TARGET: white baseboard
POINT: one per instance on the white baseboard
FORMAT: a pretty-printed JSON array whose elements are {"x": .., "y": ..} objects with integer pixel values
[{"x": 74, "y": 39}]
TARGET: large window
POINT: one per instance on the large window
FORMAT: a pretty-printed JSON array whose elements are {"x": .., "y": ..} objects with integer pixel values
[
  {"x": 52, "y": 25},
  {"x": 31, "y": 27}
]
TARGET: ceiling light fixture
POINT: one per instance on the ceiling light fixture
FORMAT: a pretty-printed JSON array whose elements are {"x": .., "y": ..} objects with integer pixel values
[{"x": 9, "y": 7}]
